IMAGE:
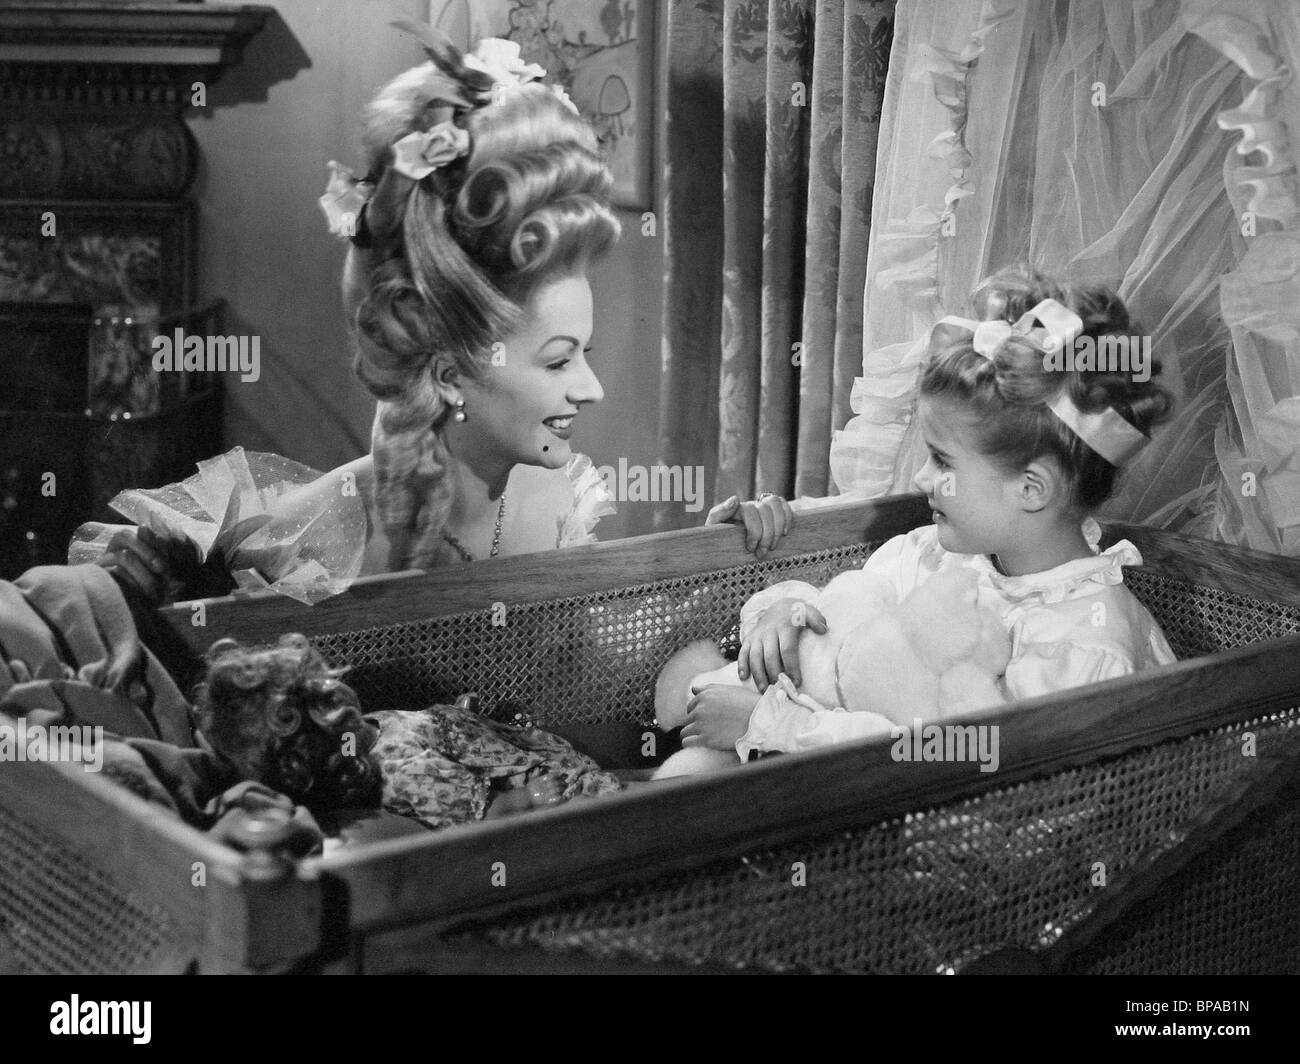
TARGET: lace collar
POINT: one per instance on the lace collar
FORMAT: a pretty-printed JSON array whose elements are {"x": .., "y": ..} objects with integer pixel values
[{"x": 1060, "y": 582}]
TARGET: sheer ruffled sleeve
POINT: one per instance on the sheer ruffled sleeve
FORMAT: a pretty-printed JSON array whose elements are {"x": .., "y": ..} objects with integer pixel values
[
  {"x": 591, "y": 501},
  {"x": 272, "y": 522}
]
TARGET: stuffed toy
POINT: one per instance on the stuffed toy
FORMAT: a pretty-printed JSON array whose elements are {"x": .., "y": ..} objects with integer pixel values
[{"x": 935, "y": 656}]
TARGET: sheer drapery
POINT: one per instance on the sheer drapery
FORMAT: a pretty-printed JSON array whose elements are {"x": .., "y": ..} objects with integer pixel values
[
  {"x": 1145, "y": 146},
  {"x": 773, "y": 110}
]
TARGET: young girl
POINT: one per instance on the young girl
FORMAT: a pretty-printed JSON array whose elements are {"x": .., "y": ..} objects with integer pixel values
[{"x": 1021, "y": 453}]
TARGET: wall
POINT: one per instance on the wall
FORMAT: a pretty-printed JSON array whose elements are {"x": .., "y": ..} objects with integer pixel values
[{"x": 269, "y": 129}]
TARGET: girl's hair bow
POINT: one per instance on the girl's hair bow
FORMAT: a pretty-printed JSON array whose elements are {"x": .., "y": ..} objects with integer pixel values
[{"x": 1052, "y": 326}]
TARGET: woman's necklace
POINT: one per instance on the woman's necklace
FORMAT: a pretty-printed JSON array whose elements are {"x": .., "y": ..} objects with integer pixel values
[{"x": 496, "y": 536}]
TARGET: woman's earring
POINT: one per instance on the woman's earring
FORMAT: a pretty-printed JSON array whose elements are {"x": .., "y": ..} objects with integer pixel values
[{"x": 459, "y": 415}]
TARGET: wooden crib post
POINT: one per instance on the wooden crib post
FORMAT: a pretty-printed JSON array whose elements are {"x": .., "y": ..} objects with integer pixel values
[{"x": 104, "y": 881}]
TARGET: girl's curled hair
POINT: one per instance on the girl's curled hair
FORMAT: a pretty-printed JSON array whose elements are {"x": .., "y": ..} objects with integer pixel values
[
  {"x": 282, "y": 717},
  {"x": 1006, "y": 396}
]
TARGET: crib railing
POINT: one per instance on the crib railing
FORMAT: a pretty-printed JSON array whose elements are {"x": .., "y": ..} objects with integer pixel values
[
  {"x": 94, "y": 880},
  {"x": 844, "y": 859},
  {"x": 937, "y": 865}
]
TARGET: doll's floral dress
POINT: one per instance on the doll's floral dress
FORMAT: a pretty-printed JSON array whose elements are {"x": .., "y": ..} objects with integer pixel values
[{"x": 441, "y": 765}]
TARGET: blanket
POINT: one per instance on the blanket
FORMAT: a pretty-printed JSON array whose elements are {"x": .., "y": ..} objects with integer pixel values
[{"x": 71, "y": 656}]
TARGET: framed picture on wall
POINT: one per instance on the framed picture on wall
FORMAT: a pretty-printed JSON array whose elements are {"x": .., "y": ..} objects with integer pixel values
[{"x": 600, "y": 51}]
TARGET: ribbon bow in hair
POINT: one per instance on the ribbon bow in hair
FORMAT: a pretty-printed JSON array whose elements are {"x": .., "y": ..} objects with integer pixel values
[{"x": 1052, "y": 326}]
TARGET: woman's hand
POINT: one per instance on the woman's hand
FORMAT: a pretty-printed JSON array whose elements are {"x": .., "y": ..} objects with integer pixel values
[
  {"x": 718, "y": 716},
  {"x": 140, "y": 557},
  {"x": 772, "y": 647},
  {"x": 766, "y": 520}
]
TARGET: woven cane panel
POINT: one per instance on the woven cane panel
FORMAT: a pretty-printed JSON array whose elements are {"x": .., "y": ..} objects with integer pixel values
[
  {"x": 1204, "y": 620},
  {"x": 60, "y": 915},
  {"x": 590, "y": 658},
  {"x": 1234, "y": 911},
  {"x": 934, "y": 890},
  {"x": 594, "y": 658}
]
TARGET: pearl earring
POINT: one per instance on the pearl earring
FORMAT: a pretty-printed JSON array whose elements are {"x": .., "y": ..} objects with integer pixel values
[{"x": 459, "y": 415}]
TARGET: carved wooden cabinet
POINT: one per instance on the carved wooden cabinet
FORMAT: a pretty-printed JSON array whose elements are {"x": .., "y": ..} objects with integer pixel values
[{"x": 97, "y": 256}]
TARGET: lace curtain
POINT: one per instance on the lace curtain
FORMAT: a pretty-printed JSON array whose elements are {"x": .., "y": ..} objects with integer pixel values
[
  {"x": 1142, "y": 145},
  {"x": 773, "y": 111}
]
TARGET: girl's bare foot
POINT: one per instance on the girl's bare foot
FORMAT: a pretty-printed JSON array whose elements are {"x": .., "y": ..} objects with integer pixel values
[{"x": 539, "y": 793}]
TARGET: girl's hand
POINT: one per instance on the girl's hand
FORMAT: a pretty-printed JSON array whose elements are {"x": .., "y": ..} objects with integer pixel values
[
  {"x": 766, "y": 520},
  {"x": 773, "y": 646},
  {"x": 140, "y": 557},
  {"x": 718, "y": 716}
]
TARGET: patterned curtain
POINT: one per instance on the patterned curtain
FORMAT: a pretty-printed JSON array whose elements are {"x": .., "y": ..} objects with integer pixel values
[{"x": 773, "y": 113}]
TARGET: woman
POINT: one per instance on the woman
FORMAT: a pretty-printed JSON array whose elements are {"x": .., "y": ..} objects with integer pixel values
[{"x": 484, "y": 207}]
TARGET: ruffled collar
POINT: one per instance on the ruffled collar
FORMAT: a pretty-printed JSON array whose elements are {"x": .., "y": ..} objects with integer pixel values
[
  {"x": 1060, "y": 582},
  {"x": 592, "y": 500}
]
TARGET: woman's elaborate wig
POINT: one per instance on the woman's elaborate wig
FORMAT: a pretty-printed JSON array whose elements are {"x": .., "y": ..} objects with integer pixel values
[
  {"x": 282, "y": 717},
  {"x": 454, "y": 257},
  {"x": 1007, "y": 393}
]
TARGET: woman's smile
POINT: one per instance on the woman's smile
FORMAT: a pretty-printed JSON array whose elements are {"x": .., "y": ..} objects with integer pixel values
[{"x": 561, "y": 426}]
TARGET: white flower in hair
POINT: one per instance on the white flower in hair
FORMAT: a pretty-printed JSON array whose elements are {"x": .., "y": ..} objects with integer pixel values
[
  {"x": 417, "y": 155},
  {"x": 501, "y": 61}
]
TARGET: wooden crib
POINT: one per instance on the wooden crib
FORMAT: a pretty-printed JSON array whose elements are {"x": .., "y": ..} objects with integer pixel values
[{"x": 1148, "y": 824}]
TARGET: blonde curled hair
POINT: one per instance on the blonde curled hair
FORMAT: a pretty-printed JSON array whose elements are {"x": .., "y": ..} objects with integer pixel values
[{"x": 454, "y": 259}]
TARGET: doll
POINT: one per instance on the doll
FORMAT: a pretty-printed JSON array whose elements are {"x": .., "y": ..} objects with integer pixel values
[{"x": 283, "y": 717}]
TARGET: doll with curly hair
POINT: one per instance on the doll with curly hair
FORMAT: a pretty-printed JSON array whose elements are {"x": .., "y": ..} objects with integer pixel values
[{"x": 284, "y": 717}]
